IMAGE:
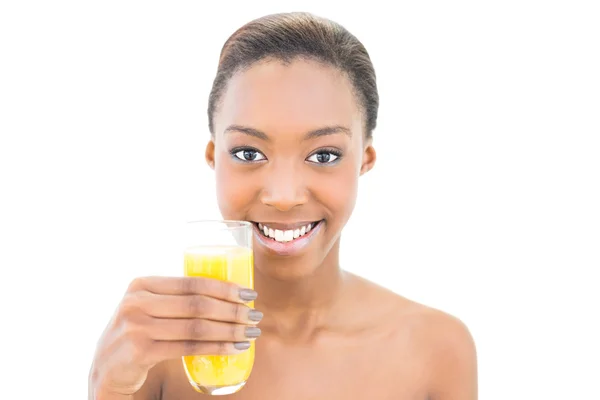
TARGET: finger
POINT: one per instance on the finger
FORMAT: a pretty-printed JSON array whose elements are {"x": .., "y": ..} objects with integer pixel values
[
  {"x": 194, "y": 285},
  {"x": 166, "y": 350},
  {"x": 200, "y": 330},
  {"x": 196, "y": 306}
]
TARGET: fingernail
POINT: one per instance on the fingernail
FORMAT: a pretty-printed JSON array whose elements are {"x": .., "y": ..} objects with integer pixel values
[
  {"x": 248, "y": 294},
  {"x": 252, "y": 332},
  {"x": 242, "y": 345},
  {"x": 255, "y": 315}
]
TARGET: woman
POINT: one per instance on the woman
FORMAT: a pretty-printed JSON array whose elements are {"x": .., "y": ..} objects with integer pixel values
[{"x": 291, "y": 115}]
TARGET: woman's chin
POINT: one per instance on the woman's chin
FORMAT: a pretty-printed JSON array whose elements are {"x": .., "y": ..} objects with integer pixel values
[
  {"x": 296, "y": 259},
  {"x": 286, "y": 269}
]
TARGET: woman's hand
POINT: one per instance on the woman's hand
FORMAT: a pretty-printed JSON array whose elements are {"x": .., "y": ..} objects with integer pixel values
[{"x": 162, "y": 318}]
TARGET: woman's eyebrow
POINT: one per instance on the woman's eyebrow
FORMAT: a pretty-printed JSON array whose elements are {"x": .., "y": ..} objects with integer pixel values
[
  {"x": 328, "y": 130},
  {"x": 325, "y": 131},
  {"x": 248, "y": 131}
]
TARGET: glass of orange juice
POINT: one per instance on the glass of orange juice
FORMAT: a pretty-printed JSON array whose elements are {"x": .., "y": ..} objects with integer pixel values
[{"x": 220, "y": 250}]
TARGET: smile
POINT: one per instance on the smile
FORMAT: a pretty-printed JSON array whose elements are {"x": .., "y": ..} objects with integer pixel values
[
  {"x": 285, "y": 235},
  {"x": 286, "y": 239}
]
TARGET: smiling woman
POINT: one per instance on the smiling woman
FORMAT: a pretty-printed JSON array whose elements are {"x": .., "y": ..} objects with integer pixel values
[{"x": 291, "y": 116}]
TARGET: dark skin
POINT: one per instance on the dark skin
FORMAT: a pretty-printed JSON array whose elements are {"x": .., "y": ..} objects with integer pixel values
[{"x": 326, "y": 333}]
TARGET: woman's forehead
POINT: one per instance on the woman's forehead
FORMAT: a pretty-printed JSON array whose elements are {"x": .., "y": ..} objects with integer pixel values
[{"x": 303, "y": 94}]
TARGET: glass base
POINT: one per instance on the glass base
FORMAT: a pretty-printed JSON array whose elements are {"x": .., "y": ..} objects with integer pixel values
[{"x": 217, "y": 390}]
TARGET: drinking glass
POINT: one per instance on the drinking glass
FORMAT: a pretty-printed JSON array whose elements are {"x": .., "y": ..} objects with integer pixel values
[{"x": 220, "y": 250}]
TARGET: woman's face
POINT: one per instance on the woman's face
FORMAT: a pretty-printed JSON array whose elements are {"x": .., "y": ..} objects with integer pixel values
[{"x": 288, "y": 150}]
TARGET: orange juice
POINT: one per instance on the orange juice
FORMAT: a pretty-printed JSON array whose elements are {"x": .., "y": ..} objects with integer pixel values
[{"x": 211, "y": 374}]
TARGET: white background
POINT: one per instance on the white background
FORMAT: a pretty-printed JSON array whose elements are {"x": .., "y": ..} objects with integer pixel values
[{"x": 487, "y": 184}]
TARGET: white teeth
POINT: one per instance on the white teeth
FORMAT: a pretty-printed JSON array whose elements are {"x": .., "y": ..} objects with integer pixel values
[
  {"x": 278, "y": 235},
  {"x": 287, "y": 235}
]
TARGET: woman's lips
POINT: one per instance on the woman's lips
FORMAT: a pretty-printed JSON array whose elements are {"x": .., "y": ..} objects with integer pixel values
[{"x": 286, "y": 241}]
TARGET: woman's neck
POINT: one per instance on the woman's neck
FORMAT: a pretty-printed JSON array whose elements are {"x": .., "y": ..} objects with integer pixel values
[{"x": 299, "y": 307}]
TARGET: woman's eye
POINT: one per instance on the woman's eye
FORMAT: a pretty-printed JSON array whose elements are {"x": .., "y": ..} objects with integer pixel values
[
  {"x": 323, "y": 157},
  {"x": 249, "y": 155}
]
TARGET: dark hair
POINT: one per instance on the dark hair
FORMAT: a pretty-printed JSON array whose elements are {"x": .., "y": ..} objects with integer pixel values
[{"x": 287, "y": 36}]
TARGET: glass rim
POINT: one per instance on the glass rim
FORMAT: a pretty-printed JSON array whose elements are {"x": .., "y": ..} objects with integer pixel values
[{"x": 225, "y": 224}]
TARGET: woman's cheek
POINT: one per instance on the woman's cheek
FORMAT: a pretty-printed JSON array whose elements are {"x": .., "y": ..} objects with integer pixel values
[
  {"x": 234, "y": 190},
  {"x": 337, "y": 191}
]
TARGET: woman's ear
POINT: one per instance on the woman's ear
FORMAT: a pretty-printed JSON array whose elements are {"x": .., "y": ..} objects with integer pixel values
[
  {"x": 210, "y": 154},
  {"x": 369, "y": 158}
]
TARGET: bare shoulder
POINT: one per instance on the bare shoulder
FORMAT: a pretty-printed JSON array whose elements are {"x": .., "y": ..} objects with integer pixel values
[
  {"x": 435, "y": 327},
  {"x": 447, "y": 349},
  {"x": 438, "y": 330},
  {"x": 437, "y": 340}
]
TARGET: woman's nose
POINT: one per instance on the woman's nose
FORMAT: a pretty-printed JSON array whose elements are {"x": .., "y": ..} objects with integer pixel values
[{"x": 284, "y": 189}]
